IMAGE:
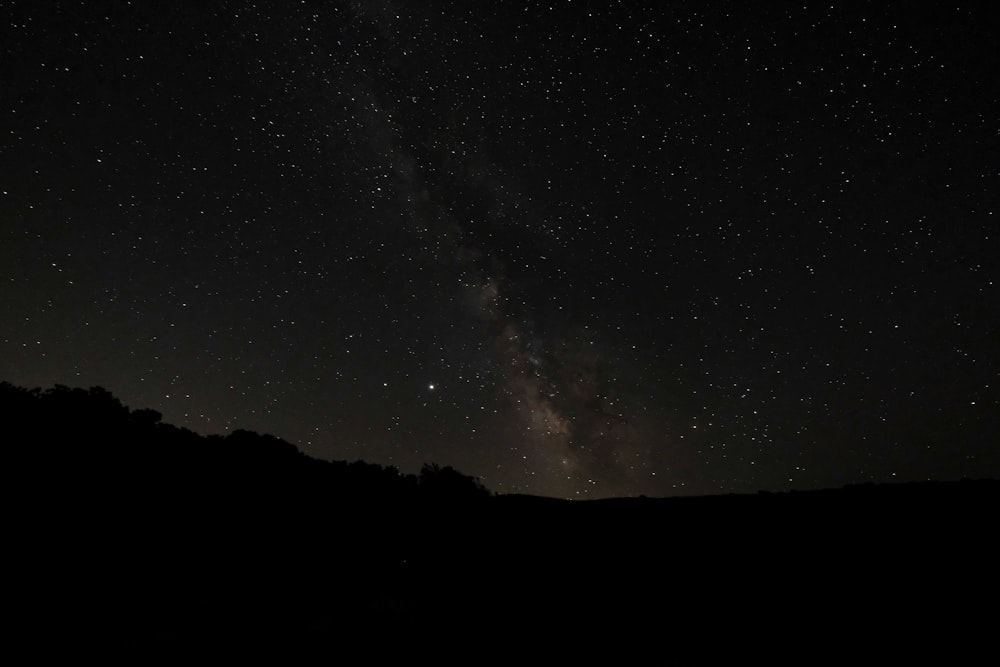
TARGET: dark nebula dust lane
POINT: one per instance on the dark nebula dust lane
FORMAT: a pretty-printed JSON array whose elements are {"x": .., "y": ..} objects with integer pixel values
[{"x": 579, "y": 249}]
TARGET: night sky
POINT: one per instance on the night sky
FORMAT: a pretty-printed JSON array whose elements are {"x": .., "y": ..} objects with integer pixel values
[{"x": 577, "y": 249}]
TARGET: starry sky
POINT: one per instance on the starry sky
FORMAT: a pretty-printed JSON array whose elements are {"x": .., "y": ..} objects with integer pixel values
[{"x": 578, "y": 249}]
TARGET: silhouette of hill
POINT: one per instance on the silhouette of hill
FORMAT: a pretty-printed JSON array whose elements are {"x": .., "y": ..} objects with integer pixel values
[{"x": 140, "y": 536}]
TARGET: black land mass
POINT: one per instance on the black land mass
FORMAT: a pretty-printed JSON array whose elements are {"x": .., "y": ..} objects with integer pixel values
[{"x": 128, "y": 535}]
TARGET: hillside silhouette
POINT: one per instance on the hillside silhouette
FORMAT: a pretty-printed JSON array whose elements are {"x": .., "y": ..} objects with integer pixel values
[{"x": 133, "y": 534}]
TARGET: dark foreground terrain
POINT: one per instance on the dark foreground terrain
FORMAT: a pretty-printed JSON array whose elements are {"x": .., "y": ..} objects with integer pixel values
[{"x": 129, "y": 537}]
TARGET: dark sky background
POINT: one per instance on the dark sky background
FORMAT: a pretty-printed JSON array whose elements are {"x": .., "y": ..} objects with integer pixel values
[{"x": 577, "y": 249}]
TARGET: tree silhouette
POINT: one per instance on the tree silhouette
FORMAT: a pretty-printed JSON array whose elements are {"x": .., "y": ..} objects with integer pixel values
[{"x": 436, "y": 482}]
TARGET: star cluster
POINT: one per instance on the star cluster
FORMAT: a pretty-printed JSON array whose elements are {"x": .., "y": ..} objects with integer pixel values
[{"x": 573, "y": 248}]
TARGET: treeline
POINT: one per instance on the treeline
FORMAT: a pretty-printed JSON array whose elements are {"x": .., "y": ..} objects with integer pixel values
[{"x": 88, "y": 438}]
